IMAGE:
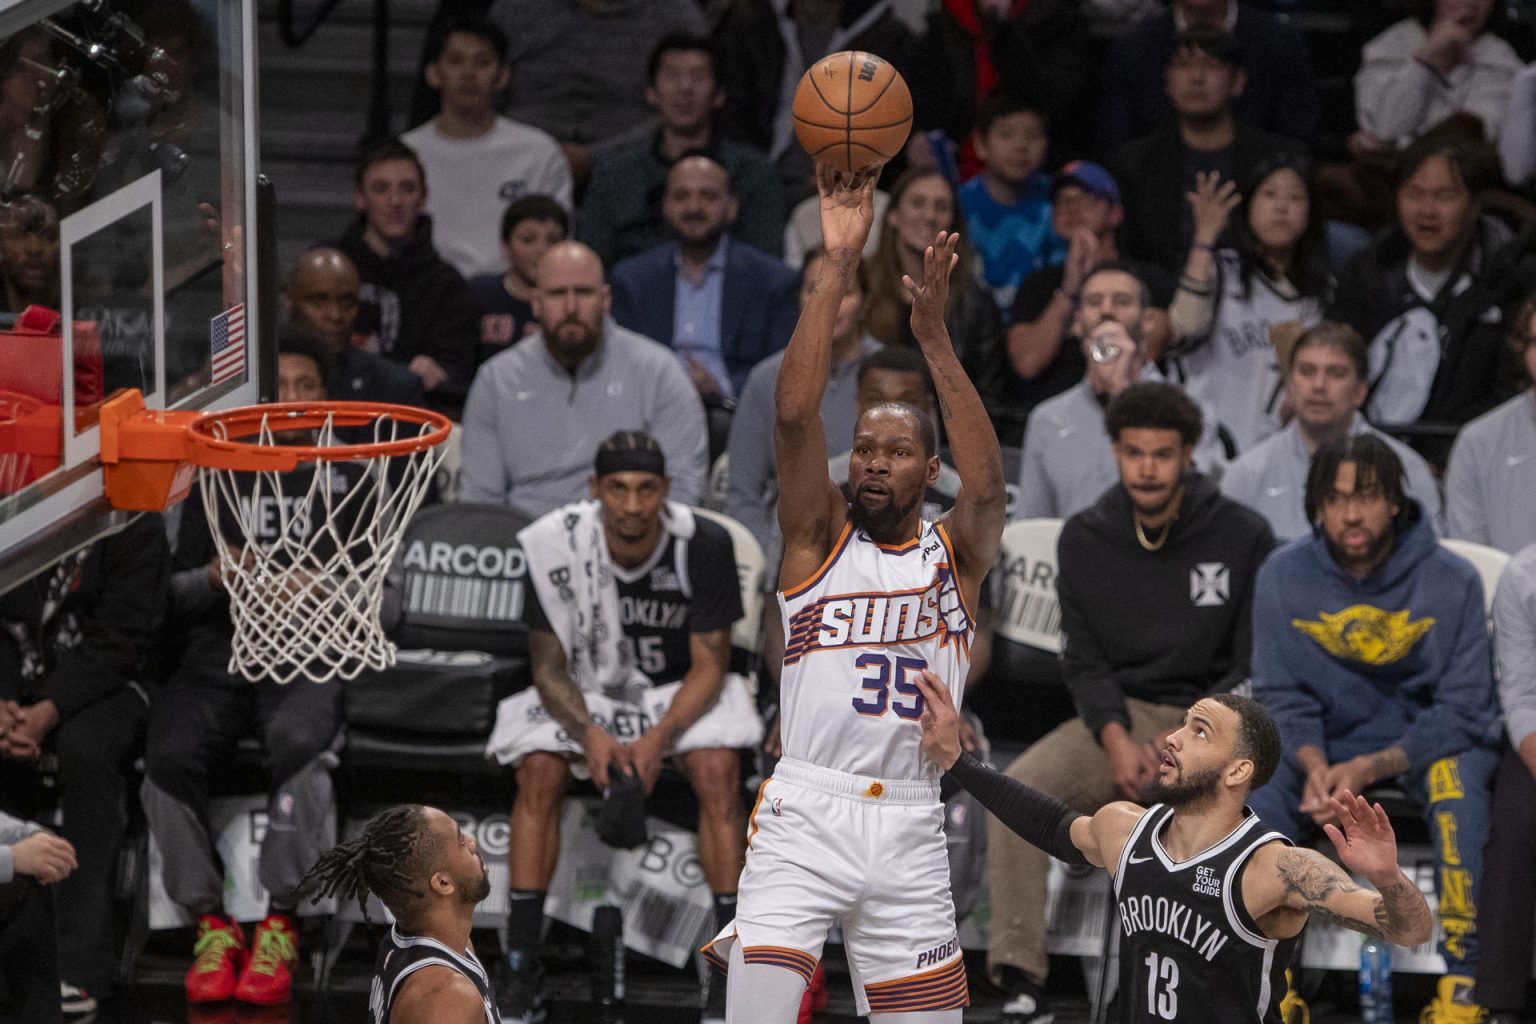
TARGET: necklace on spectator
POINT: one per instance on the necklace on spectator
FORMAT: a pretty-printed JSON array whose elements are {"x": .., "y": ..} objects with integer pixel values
[
  {"x": 1141, "y": 533},
  {"x": 1152, "y": 545}
]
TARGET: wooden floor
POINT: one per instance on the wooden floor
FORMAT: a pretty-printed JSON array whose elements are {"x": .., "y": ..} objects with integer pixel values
[{"x": 657, "y": 995}]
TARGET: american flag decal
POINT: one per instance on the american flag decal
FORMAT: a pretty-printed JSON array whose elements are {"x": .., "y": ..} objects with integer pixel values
[{"x": 226, "y": 337}]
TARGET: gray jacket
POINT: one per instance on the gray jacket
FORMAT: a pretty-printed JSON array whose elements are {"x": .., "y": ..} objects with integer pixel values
[
  {"x": 1271, "y": 479},
  {"x": 12, "y": 831},
  {"x": 531, "y": 429},
  {"x": 1068, "y": 461},
  {"x": 1490, "y": 486},
  {"x": 1514, "y": 634}
]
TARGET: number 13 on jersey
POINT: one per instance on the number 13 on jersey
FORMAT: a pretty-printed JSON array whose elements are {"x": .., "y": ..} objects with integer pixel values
[
  {"x": 1162, "y": 986},
  {"x": 883, "y": 675}
]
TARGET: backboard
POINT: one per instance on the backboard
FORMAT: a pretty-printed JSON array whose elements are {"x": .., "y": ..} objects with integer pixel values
[{"x": 132, "y": 246}]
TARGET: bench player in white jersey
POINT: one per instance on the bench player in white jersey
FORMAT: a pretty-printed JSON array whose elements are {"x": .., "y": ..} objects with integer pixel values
[
  {"x": 1211, "y": 902},
  {"x": 850, "y": 828}
]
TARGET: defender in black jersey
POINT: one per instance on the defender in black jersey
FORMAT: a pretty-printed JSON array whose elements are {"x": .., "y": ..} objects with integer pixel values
[
  {"x": 427, "y": 871},
  {"x": 1210, "y": 901}
]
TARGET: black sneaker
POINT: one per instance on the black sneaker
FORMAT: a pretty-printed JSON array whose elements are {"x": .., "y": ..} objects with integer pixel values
[
  {"x": 520, "y": 989},
  {"x": 713, "y": 998}
]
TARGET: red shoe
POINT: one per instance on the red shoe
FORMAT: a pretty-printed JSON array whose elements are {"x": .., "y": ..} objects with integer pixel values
[
  {"x": 217, "y": 958},
  {"x": 815, "y": 998},
  {"x": 268, "y": 976}
]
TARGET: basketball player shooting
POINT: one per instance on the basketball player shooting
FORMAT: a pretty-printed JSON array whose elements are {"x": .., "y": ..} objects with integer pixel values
[
  {"x": 850, "y": 827},
  {"x": 1211, "y": 902}
]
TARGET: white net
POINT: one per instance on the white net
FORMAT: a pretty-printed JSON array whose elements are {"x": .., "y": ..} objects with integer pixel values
[{"x": 304, "y": 552}]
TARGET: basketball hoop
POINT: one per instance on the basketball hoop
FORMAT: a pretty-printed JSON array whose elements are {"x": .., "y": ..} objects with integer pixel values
[{"x": 305, "y": 502}]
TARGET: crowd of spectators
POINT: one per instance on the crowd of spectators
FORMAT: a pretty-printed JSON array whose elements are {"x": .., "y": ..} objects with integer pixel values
[{"x": 1318, "y": 349}]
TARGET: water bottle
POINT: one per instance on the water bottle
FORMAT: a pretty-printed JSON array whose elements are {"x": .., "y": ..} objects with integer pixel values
[
  {"x": 607, "y": 956},
  {"x": 1375, "y": 982}
]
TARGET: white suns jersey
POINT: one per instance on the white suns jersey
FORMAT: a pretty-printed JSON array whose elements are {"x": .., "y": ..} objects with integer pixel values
[{"x": 856, "y": 635}]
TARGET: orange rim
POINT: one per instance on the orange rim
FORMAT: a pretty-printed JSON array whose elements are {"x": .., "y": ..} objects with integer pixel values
[{"x": 207, "y": 448}]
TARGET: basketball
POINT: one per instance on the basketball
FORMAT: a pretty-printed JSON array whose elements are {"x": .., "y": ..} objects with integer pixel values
[{"x": 852, "y": 110}]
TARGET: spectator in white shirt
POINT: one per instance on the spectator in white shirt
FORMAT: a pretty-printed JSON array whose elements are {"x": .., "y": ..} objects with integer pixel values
[{"x": 477, "y": 161}]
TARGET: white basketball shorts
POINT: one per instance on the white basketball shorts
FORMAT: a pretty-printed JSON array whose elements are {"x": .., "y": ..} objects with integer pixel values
[{"x": 825, "y": 846}]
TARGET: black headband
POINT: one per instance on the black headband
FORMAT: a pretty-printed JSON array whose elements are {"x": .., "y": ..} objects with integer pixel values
[{"x": 631, "y": 460}]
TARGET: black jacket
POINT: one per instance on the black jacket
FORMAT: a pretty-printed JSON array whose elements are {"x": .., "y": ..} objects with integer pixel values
[
  {"x": 1166, "y": 626},
  {"x": 414, "y": 303},
  {"x": 84, "y": 628},
  {"x": 1279, "y": 95},
  {"x": 1154, "y": 178},
  {"x": 1373, "y": 293},
  {"x": 750, "y": 53},
  {"x": 360, "y": 376},
  {"x": 1044, "y": 53}
]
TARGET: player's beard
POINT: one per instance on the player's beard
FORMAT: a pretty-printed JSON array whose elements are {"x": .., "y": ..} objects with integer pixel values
[
  {"x": 1196, "y": 787},
  {"x": 882, "y": 521},
  {"x": 473, "y": 890}
]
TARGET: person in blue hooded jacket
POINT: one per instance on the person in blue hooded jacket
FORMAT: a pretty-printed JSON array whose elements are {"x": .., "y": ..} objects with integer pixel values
[{"x": 1371, "y": 650}]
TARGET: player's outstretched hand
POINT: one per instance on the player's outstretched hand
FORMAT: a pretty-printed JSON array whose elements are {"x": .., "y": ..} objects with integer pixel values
[
  {"x": 1364, "y": 838},
  {"x": 940, "y": 720},
  {"x": 847, "y": 208},
  {"x": 931, "y": 299}
]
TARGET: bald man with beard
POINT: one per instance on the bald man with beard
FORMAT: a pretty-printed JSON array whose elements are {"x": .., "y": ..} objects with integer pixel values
[
  {"x": 322, "y": 298},
  {"x": 538, "y": 410}
]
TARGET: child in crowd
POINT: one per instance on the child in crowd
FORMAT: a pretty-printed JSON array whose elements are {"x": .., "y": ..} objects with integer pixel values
[
  {"x": 1008, "y": 205},
  {"x": 529, "y": 227},
  {"x": 476, "y": 160}
]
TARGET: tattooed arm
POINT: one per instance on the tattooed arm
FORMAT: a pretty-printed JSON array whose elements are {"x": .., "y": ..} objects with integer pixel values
[
  {"x": 1307, "y": 881},
  {"x": 562, "y": 698}
]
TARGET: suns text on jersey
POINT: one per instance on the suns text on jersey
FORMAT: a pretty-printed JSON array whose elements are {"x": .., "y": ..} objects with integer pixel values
[{"x": 880, "y": 619}]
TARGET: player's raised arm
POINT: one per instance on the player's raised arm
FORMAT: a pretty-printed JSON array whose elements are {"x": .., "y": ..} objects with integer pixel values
[
  {"x": 976, "y": 521},
  {"x": 811, "y": 508},
  {"x": 1040, "y": 820},
  {"x": 1305, "y": 880}
]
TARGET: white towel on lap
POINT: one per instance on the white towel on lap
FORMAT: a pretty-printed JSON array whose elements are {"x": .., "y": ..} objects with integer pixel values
[
  {"x": 569, "y": 566},
  {"x": 523, "y": 726}
]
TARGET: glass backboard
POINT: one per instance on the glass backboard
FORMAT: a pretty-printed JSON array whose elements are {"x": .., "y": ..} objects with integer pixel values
[{"x": 128, "y": 206}]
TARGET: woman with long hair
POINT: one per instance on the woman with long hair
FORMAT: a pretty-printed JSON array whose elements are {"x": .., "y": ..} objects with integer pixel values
[
  {"x": 923, "y": 203},
  {"x": 1230, "y": 300}
]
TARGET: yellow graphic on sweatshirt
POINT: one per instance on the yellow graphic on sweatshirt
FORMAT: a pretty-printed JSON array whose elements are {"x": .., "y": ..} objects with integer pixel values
[{"x": 1363, "y": 633}]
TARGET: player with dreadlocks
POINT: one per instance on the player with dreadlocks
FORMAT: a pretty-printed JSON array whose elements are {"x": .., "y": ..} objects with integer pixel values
[{"x": 430, "y": 876}]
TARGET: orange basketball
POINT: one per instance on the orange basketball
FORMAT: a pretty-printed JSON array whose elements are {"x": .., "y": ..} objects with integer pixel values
[{"x": 852, "y": 110}]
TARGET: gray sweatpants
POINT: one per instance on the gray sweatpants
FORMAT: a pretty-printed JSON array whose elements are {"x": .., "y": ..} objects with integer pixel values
[{"x": 194, "y": 725}]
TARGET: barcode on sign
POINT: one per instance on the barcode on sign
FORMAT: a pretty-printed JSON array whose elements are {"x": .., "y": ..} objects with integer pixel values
[
  {"x": 460, "y": 597},
  {"x": 666, "y": 919},
  {"x": 1036, "y": 614},
  {"x": 1076, "y": 908}
]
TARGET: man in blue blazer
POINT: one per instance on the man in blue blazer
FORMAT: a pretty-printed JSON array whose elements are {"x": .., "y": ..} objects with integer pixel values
[{"x": 720, "y": 304}]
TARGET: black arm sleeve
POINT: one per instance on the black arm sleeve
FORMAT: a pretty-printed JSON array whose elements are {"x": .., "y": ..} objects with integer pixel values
[{"x": 1039, "y": 820}]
